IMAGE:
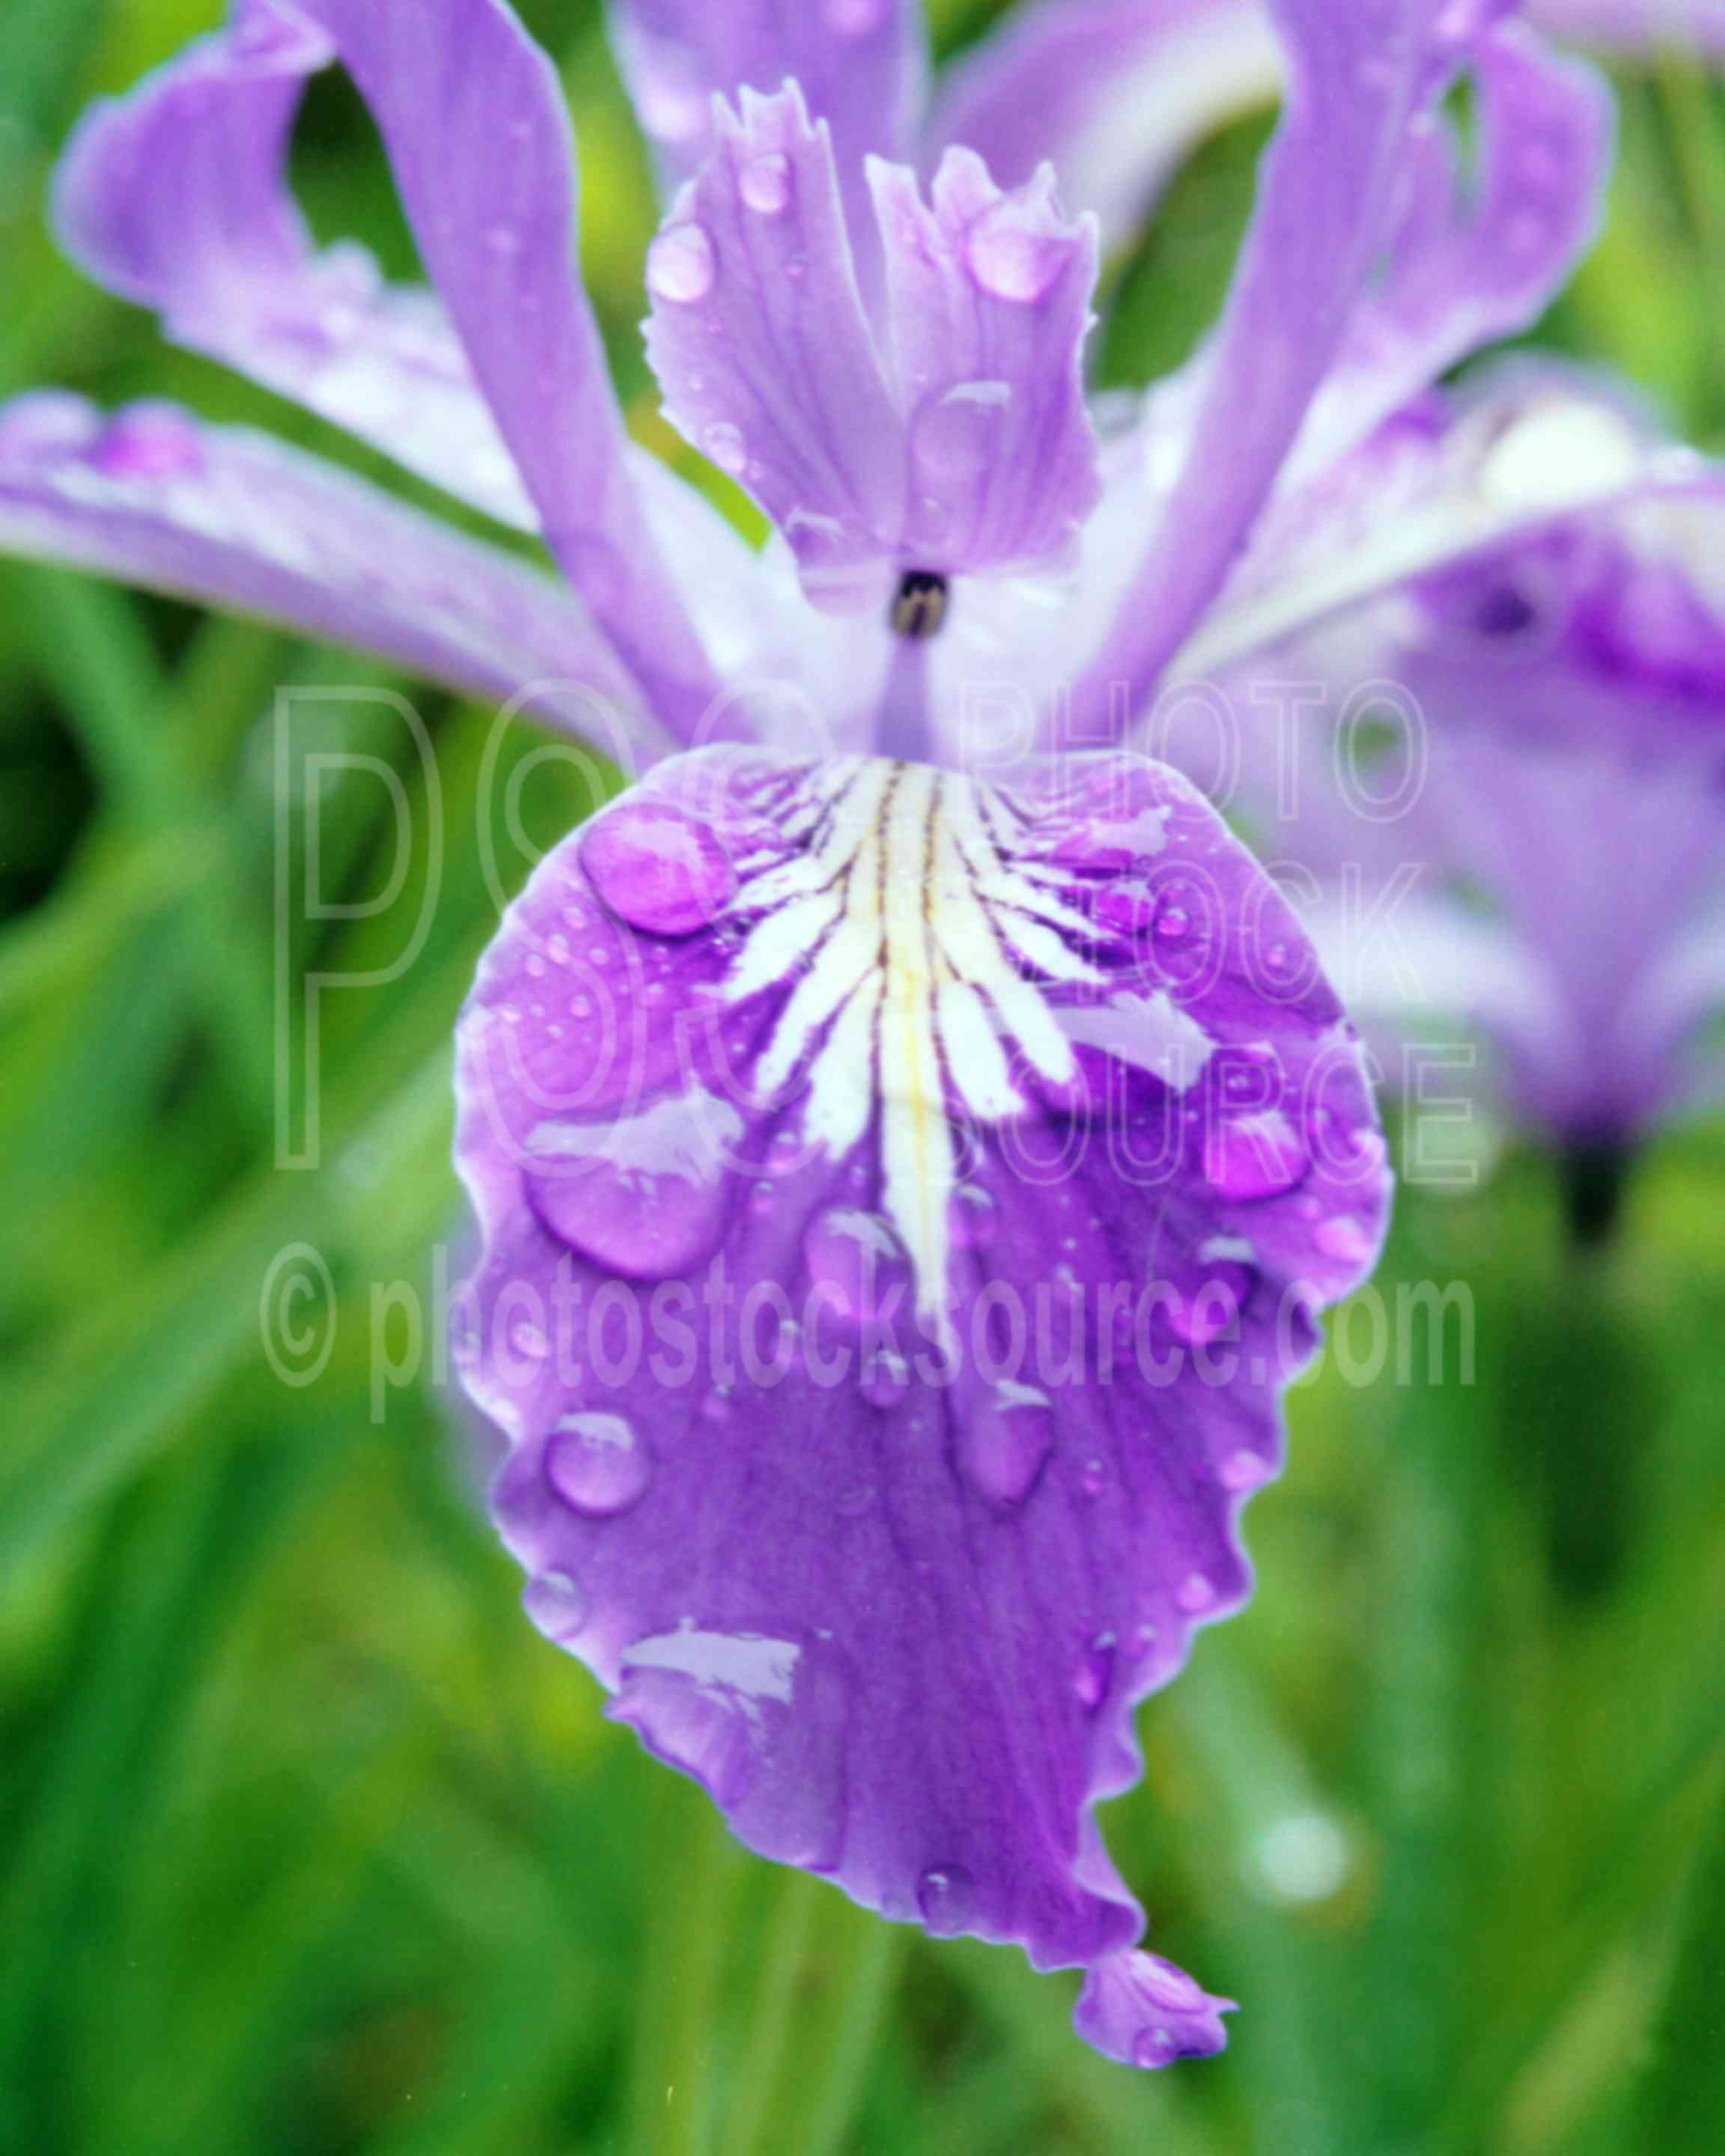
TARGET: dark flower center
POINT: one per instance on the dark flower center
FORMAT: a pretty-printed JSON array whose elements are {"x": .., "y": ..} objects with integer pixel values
[{"x": 919, "y": 606}]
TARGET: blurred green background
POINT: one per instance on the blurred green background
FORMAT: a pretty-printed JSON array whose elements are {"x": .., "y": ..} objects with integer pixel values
[{"x": 308, "y": 1843}]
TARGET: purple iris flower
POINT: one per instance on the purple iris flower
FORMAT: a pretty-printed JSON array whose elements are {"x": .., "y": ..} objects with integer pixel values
[
  {"x": 1535, "y": 852},
  {"x": 911, "y": 1137}
]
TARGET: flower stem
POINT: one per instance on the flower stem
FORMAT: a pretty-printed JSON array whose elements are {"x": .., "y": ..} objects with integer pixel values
[
  {"x": 830, "y": 1972},
  {"x": 672, "y": 2103},
  {"x": 1594, "y": 1176}
]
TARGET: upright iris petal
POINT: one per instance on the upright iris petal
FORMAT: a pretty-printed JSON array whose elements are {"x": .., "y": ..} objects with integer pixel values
[
  {"x": 974, "y": 452},
  {"x": 904, "y": 1197}
]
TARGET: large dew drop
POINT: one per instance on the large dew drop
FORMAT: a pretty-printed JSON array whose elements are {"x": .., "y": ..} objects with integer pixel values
[
  {"x": 1254, "y": 1156},
  {"x": 766, "y": 184},
  {"x": 724, "y": 443},
  {"x": 647, "y": 1196},
  {"x": 656, "y": 868},
  {"x": 1004, "y": 1447},
  {"x": 1013, "y": 253},
  {"x": 946, "y": 1896},
  {"x": 597, "y": 1465},
  {"x": 681, "y": 264},
  {"x": 556, "y": 1605},
  {"x": 857, "y": 1264}
]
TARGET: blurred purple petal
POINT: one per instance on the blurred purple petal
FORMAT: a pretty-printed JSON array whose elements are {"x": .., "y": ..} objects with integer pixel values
[
  {"x": 1476, "y": 257},
  {"x": 1116, "y": 92},
  {"x": 175, "y": 195},
  {"x": 822, "y": 1122},
  {"x": 235, "y": 519},
  {"x": 1571, "y": 770},
  {"x": 1520, "y": 451},
  {"x": 1635, "y": 26},
  {"x": 1362, "y": 80}
]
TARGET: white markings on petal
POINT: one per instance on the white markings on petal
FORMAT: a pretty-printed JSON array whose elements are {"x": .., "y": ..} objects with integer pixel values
[
  {"x": 841, "y": 1089},
  {"x": 906, "y": 933},
  {"x": 918, "y": 1163},
  {"x": 979, "y": 1066}
]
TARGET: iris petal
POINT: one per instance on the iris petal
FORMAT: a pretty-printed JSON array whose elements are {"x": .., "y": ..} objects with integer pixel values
[
  {"x": 945, "y": 1173},
  {"x": 177, "y": 195}
]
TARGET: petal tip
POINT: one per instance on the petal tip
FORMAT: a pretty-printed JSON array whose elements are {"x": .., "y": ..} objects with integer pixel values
[{"x": 1143, "y": 2011}]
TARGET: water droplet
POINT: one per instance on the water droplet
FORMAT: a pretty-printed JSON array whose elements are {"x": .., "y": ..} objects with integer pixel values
[
  {"x": 1254, "y": 1156},
  {"x": 681, "y": 264},
  {"x": 528, "y": 1341},
  {"x": 952, "y": 441},
  {"x": 1092, "y": 1478},
  {"x": 1195, "y": 1594},
  {"x": 657, "y": 868},
  {"x": 150, "y": 441},
  {"x": 857, "y": 1262},
  {"x": 1095, "y": 1665},
  {"x": 1252, "y": 1073},
  {"x": 976, "y": 1218},
  {"x": 597, "y": 1465},
  {"x": 1004, "y": 1448},
  {"x": 717, "y": 1407},
  {"x": 1207, "y": 1303},
  {"x": 1153, "y": 2047},
  {"x": 1346, "y": 1238},
  {"x": 766, "y": 184},
  {"x": 1016, "y": 252},
  {"x": 1129, "y": 907},
  {"x": 886, "y": 1379},
  {"x": 647, "y": 1195},
  {"x": 1243, "y": 1471},
  {"x": 556, "y": 1605},
  {"x": 724, "y": 443},
  {"x": 946, "y": 1894},
  {"x": 1173, "y": 921}
]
